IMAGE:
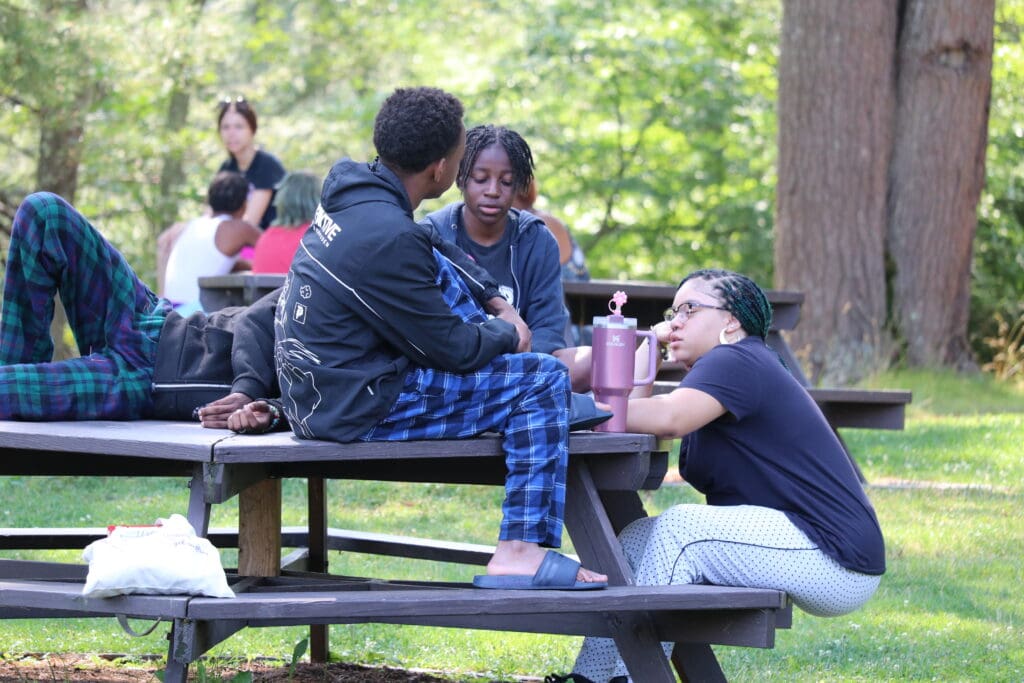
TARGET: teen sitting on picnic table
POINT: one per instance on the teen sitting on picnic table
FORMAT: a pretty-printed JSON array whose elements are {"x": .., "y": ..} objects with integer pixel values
[
  {"x": 514, "y": 246},
  {"x": 784, "y": 507},
  {"x": 140, "y": 359},
  {"x": 296, "y": 200},
  {"x": 211, "y": 245},
  {"x": 379, "y": 339}
]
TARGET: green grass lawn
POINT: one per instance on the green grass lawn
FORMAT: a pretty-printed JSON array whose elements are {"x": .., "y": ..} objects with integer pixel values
[{"x": 948, "y": 491}]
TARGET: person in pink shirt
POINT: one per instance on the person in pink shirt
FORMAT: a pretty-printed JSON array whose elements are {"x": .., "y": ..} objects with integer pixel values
[{"x": 297, "y": 197}]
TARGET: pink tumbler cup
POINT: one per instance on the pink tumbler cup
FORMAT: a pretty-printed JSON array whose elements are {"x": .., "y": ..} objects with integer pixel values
[{"x": 613, "y": 359}]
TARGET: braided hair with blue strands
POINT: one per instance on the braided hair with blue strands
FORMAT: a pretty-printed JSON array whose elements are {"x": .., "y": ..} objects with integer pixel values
[{"x": 740, "y": 296}]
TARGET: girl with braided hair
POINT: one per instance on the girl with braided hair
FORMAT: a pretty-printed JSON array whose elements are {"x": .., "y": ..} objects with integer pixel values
[
  {"x": 515, "y": 247},
  {"x": 784, "y": 509}
]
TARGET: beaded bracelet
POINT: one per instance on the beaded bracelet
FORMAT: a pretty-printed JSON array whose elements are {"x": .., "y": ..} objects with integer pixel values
[{"x": 276, "y": 419}]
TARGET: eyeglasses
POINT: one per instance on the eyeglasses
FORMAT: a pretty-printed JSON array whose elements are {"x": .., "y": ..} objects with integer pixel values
[{"x": 686, "y": 309}]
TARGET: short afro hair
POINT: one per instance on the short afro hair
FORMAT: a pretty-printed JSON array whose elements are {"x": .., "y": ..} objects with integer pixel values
[
  {"x": 227, "y": 192},
  {"x": 416, "y": 127}
]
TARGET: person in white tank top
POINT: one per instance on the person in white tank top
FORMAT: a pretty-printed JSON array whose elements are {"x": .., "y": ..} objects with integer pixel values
[{"x": 210, "y": 245}]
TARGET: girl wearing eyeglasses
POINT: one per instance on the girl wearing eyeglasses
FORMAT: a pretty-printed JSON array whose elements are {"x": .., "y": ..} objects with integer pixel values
[{"x": 784, "y": 510}]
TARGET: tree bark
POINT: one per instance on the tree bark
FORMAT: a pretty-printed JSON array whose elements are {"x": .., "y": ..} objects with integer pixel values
[
  {"x": 937, "y": 173},
  {"x": 835, "y": 114},
  {"x": 172, "y": 173},
  {"x": 883, "y": 110}
]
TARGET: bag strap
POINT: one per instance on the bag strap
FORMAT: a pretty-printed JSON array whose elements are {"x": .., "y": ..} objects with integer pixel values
[{"x": 123, "y": 620}]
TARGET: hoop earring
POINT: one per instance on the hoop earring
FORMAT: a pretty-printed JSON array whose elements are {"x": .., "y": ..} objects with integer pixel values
[{"x": 722, "y": 339}]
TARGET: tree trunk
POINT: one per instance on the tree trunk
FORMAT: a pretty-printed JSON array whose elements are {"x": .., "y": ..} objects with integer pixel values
[
  {"x": 883, "y": 111},
  {"x": 835, "y": 113},
  {"x": 172, "y": 174},
  {"x": 937, "y": 172}
]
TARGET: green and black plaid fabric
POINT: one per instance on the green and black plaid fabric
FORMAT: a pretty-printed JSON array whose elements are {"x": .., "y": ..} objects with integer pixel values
[{"x": 115, "y": 318}]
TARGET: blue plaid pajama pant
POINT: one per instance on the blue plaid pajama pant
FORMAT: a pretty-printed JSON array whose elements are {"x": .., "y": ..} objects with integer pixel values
[
  {"x": 115, "y": 318},
  {"x": 524, "y": 396}
]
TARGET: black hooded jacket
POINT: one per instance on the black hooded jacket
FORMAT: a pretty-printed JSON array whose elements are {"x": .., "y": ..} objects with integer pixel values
[{"x": 361, "y": 307}]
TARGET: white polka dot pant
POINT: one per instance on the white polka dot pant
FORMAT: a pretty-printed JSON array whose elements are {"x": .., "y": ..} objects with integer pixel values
[{"x": 742, "y": 545}]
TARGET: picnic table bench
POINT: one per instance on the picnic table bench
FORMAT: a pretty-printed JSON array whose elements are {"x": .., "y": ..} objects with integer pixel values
[{"x": 605, "y": 474}]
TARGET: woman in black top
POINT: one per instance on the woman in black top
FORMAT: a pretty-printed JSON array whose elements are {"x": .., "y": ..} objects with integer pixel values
[
  {"x": 237, "y": 123},
  {"x": 784, "y": 510}
]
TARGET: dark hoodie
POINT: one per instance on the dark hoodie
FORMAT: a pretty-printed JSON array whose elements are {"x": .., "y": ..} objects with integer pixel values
[{"x": 361, "y": 307}]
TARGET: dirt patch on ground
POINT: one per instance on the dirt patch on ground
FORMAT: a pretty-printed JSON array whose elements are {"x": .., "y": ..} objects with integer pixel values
[{"x": 105, "y": 669}]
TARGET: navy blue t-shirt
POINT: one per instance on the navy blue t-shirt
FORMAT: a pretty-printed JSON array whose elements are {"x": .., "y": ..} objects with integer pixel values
[
  {"x": 264, "y": 173},
  {"x": 496, "y": 259},
  {"x": 774, "y": 448}
]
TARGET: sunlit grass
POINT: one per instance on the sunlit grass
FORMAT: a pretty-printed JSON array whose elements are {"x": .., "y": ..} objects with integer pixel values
[{"x": 948, "y": 491}]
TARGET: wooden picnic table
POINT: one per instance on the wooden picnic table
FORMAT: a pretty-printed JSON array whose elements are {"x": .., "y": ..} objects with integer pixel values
[
  {"x": 605, "y": 474},
  {"x": 647, "y": 302},
  {"x": 843, "y": 407}
]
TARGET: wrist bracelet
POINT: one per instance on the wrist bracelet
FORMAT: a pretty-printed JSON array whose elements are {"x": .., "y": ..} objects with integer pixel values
[{"x": 276, "y": 419}]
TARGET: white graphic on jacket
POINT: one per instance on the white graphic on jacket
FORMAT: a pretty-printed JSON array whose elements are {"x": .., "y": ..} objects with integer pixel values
[
  {"x": 292, "y": 378},
  {"x": 324, "y": 226}
]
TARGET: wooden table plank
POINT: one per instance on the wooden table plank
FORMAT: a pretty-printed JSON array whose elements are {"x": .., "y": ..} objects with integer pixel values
[{"x": 146, "y": 439}]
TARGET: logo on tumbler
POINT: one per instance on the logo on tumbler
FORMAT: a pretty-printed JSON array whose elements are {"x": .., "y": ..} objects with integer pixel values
[{"x": 615, "y": 340}]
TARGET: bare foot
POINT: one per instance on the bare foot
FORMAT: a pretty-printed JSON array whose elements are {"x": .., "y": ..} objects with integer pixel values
[
  {"x": 518, "y": 557},
  {"x": 590, "y": 576}
]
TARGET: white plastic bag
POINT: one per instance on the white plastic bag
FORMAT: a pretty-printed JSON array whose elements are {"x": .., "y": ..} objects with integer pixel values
[{"x": 165, "y": 559}]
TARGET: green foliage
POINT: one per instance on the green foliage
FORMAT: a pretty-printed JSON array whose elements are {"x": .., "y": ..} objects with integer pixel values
[
  {"x": 998, "y": 287},
  {"x": 1007, "y": 348},
  {"x": 653, "y": 130},
  {"x": 297, "y": 652},
  {"x": 652, "y": 123},
  {"x": 206, "y": 674}
]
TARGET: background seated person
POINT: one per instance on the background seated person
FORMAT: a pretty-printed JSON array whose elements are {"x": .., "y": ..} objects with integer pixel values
[
  {"x": 236, "y": 124},
  {"x": 295, "y": 201},
  {"x": 570, "y": 255},
  {"x": 210, "y": 245},
  {"x": 784, "y": 509},
  {"x": 140, "y": 359}
]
